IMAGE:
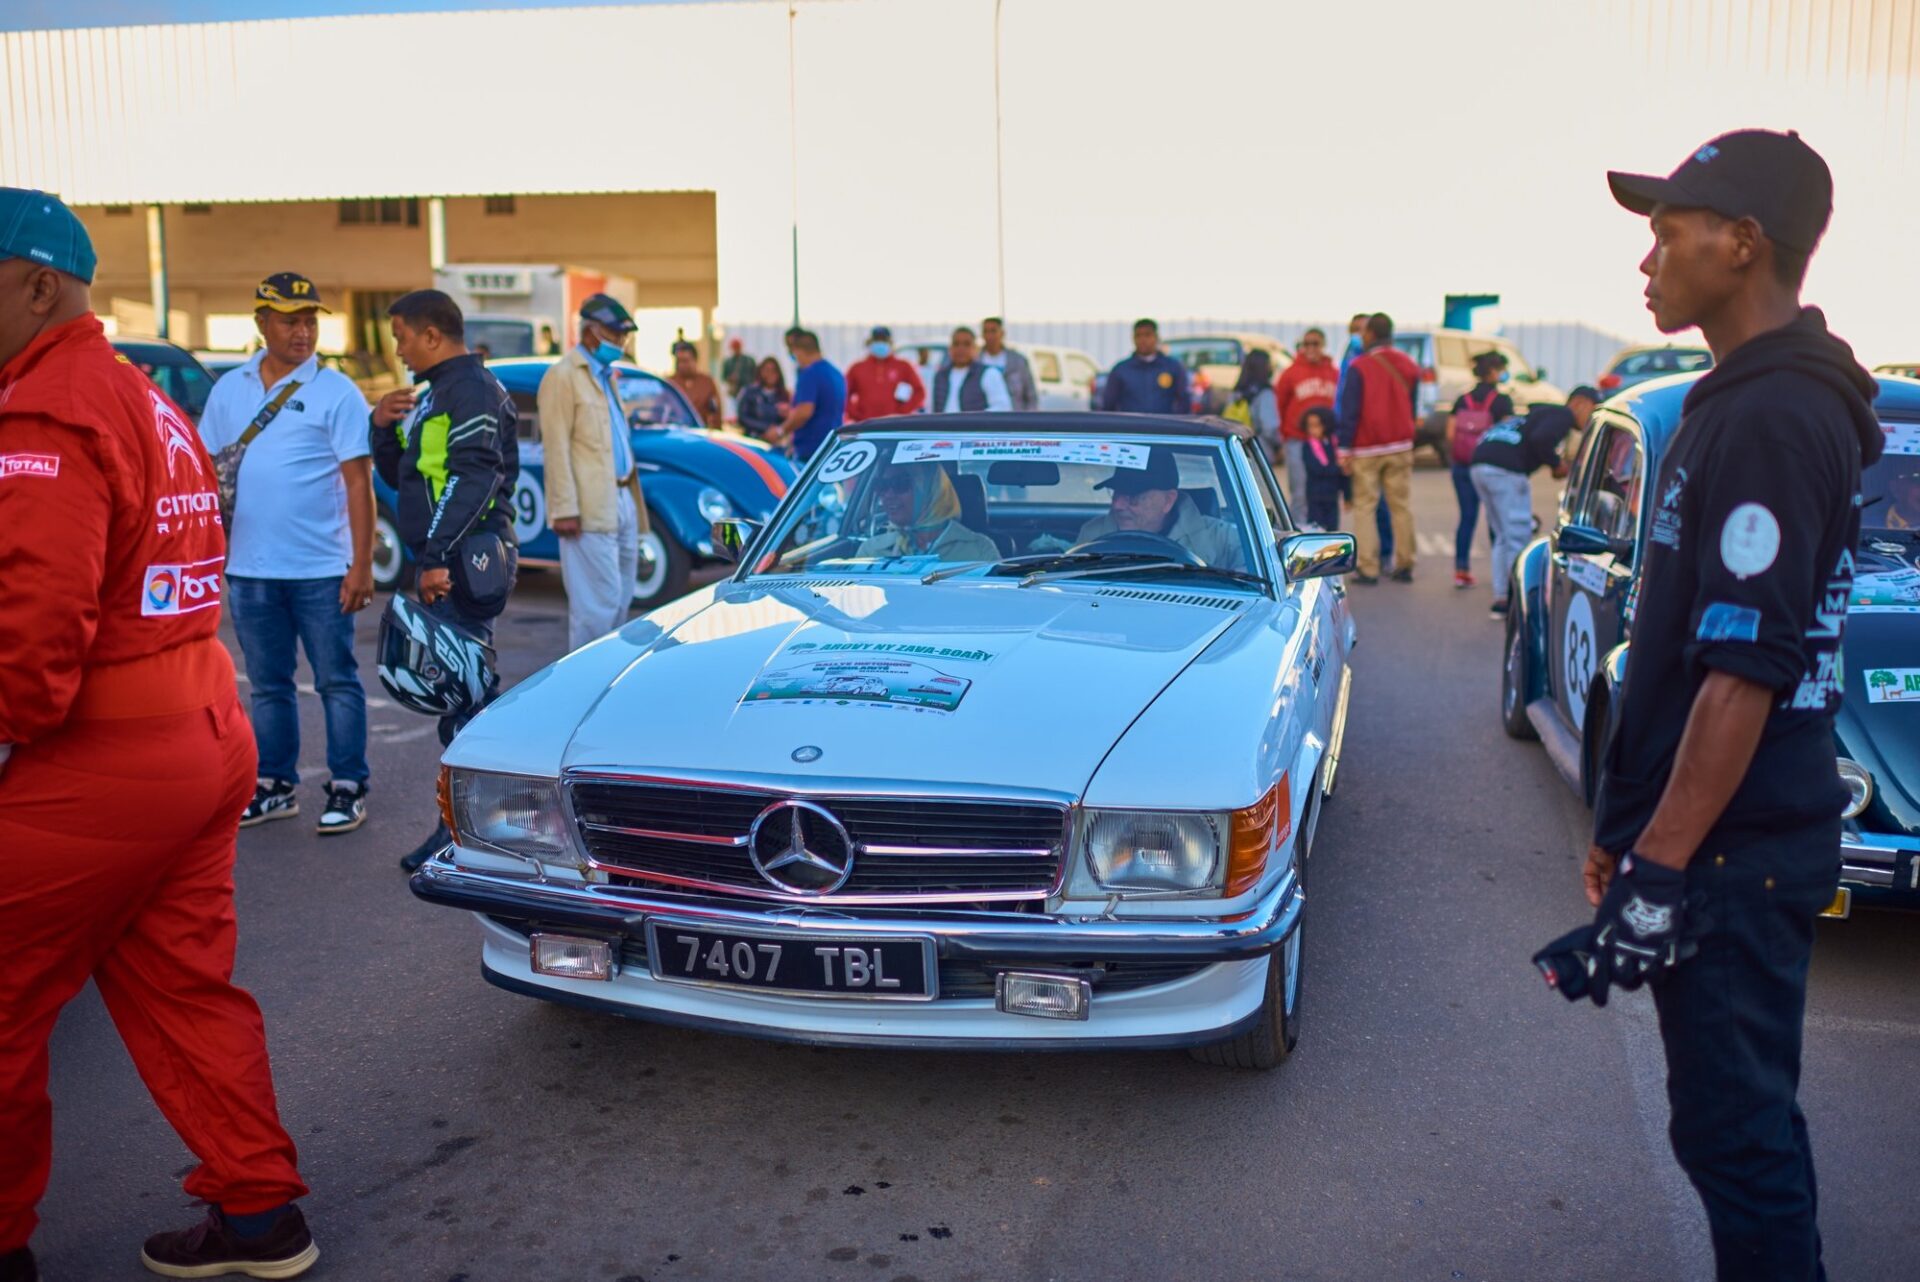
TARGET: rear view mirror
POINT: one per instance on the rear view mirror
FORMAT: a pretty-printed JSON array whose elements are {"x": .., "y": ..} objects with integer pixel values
[
  {"x": 1317, "y": 556},
  {"x": 1023, "y": 472},
  {"x": 1584, "y": 540},
  {"x": 731, "y": 536}
]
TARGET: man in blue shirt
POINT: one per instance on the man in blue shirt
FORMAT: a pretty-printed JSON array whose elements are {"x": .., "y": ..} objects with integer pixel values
[
  {"x": 819, "y": 398},
  {"x": 1149, "y": 381}
]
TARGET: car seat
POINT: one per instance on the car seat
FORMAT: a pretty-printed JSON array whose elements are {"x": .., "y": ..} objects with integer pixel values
[{"x": 972, "y": 492}]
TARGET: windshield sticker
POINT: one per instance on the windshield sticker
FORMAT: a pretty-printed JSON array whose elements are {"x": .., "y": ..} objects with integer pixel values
[
  {"x": 1902, "y": 438},
  {"x": 1893, "y": 685},
  {"x": 1094, "y": 452},
  {"x": 849, "y": 461},
  {"x": 852, "y": 681}
]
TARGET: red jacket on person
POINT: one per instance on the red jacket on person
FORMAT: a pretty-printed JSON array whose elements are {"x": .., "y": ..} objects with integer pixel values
[
  {"x": 1302, "y": 386},
  {"x": 1376, "y": 402},
  {"x": 110, "y": 532},
  {"x": 873, "y": 388}
]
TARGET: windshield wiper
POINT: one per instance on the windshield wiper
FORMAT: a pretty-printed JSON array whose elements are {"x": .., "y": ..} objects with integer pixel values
[
  {"x": 1211, "y": 571},
  {"x": 1037, "y": 559}
]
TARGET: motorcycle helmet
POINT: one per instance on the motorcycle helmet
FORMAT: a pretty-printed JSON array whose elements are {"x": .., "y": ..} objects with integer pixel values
[{"x": 431, "y": 665}]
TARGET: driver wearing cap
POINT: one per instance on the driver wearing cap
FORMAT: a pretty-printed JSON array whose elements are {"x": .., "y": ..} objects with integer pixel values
[{"x": 1148, "y": 500}]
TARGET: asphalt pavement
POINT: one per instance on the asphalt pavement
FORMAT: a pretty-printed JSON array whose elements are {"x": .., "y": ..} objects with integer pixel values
[{"x": 1445, "y": 1117}]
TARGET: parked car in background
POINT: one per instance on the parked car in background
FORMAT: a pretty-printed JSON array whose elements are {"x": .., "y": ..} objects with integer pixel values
[
  {"x": 1064, "y": 376},
  {"x": 173, "y": 369},
  {"x": 1213, "y": 363},
  {"x": 690, "y": 476},
  {"x": 848, "y": 833},
  {"x": 1635, "y": 365},
  {"x": 1445, "y": 357},
  {"x": 1570, "y": 603},
  {"x": 220, "y": 364},
  {"x": 1899, "y": 369}
]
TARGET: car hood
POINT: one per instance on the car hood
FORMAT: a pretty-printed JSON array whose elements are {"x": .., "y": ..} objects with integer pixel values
[
  {"x": 1883, "y": 736},
  {"x": 967, "y": 683}
]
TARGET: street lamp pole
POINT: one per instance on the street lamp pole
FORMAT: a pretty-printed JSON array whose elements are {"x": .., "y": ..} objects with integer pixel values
[
  {"x": 999, "y": 181},
  {"x": 793, "y": 158}
]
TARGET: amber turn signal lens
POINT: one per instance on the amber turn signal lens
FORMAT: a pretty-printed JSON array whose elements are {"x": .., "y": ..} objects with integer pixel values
[
  {"x": 1256, "y": 831},
  {"x": 443, "y": 790}
]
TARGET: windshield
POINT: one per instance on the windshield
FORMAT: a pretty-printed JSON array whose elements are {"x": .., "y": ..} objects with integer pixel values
[
  {"x": 1890, "y": 489},
  {"x": 651, "y": 403},
  {"x": 1666, "y": 360},
  {"x": 1195, "y": 352},
  {"x": 912, "y": 504},
  {"x": 174, "y": 372},
  {"x": 501, "y": 338}
]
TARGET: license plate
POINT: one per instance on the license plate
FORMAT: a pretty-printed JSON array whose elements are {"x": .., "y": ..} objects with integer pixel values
[
  {"x": 1842, "y": 903},
  {"x": 889, "y": 968}
]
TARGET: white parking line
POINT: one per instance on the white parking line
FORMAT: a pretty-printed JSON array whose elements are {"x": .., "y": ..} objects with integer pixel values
[
  {"x": 1848, "y": 1024},
  {"x": 1647, "y": 1066}
]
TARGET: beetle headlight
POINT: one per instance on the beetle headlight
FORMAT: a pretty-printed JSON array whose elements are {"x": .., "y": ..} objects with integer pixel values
[
  {"x": 1859, "y": 784},
  {"x": 1152, "y": 851},
  {"x": 713, "y": 505},
  {"x": 511, "y": 815}
]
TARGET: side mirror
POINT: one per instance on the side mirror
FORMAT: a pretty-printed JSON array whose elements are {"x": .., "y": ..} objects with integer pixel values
[
  {"x": 731, "y": 536},
  {"x": 1317, "y": 556},
  {"x": 1584, "y": 540}
]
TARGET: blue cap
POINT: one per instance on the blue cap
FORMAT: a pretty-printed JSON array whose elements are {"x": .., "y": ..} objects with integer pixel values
[{"x": 38, "y": 226}]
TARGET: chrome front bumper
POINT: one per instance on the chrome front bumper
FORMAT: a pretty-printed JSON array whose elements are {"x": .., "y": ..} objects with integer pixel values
[
  {"x": 978, "y": 937},
  {"x": 1863, "y": 862}
]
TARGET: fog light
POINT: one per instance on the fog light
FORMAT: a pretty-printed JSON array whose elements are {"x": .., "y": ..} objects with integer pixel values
[
  {"x": 571, "y": 957},
  {"x": 1044, "y": 996}
]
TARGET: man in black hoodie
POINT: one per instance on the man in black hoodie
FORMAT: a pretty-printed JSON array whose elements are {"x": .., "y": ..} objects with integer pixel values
[{"x": 1717, "y": 829}]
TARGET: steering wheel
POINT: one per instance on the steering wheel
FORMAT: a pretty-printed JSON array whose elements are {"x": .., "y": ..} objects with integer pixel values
[{"x": 1141, "y": 543}]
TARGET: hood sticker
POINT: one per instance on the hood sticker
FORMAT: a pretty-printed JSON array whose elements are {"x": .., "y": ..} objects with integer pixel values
[
  {"x": 876, "y": 674},
  {"x": 1893, "y": 685}
]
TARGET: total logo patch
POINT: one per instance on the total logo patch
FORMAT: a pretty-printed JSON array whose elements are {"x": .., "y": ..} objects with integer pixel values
[
  {"x": 180, "y": 589},
  {"x": 45, "y": 466},
  {"x": 1750, "y": 540}
]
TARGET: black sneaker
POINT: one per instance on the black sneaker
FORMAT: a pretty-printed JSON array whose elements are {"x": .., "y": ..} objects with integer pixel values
[
  {"x": 346, "y": 808},
  {"x": 1365, "y": 580},
  {"x": 438, "y": 840},
  {"x": 18, "y": 1266},
  {"x": 1402, "y": 576},
  {"x": 211, "y": 1249},
  {"x": 272, "y": 799},
  {"x": 1498, "y": 609}
]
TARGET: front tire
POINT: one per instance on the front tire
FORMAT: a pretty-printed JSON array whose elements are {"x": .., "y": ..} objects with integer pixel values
[
  {"x": 664, "y": 566},
  {"x": 1513, "y": 676},
  {"x": 1268, "y": 1043}
]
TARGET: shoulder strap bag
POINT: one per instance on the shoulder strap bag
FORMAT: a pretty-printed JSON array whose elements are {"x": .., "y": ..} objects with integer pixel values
[{"x": 226, "y": 464}]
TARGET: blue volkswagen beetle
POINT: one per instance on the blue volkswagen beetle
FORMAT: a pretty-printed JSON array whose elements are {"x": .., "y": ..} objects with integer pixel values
[
  {"x": 1571, "y": 599},
  {"x": 691, "y": 477}
]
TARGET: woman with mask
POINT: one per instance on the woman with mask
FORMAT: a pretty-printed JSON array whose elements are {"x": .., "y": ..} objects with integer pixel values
[
  {"x": 923, "y": 510},
  {"x": 764, "y": 401}
]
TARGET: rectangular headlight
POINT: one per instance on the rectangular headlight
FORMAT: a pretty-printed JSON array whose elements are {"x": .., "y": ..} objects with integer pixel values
[
  {"x": 512, "y": 814},
  {"x": 1150, "y": 852}
]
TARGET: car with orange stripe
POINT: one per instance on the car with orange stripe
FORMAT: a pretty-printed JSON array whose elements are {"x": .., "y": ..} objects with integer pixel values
[{"x": 691, "y": 477}]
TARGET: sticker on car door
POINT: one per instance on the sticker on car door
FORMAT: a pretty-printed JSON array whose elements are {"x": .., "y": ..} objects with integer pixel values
[{"x": 1577, "y": 652}]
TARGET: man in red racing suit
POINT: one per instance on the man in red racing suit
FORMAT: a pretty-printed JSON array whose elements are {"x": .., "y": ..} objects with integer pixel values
[{"x": 125, "y": 762}]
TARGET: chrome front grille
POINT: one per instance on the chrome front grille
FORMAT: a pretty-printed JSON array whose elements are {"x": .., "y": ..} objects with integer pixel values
[{"x": 906, "y": 849}]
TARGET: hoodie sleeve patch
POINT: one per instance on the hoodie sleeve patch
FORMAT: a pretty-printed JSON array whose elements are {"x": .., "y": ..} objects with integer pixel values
[
  {"x": 1750, "y": 540},
  {"x": 1724, "y": 621}
]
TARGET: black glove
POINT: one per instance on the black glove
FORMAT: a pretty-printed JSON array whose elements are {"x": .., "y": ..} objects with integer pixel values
[
  {"x": 1570, "y": 966},
  {"x": 1641, "y": 931}
]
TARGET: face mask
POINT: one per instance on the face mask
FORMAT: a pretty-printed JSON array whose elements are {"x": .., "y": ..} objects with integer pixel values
[
  {"x": 607, "y": 353},
  {"x": 881, "y": 350}
]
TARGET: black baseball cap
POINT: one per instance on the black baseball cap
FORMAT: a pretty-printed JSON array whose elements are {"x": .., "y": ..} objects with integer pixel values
[
  {"x": 880, "y": 332},
  {"x": 604, "y": 309},
  {"x": 1591, "y": 393},
  {"x": 1774, "y": 179},
  {"x": 1162, "y": 472},
  {"x": 287, "y": 292}
]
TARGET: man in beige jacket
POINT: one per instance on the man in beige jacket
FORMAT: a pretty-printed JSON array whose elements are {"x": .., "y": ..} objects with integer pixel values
[{"x": 593, "y": 492}]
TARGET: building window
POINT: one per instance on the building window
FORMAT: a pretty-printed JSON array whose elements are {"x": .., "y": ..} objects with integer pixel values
[
  {"x": 196, "y": 209},
  {"x": 385, "y": 212},
  {"x": 499, "y": 204},
  {"x": 119, "y": 211}
]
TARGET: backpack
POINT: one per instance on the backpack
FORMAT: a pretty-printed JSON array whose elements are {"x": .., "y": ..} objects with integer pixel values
[
  {"x": 1240, "y": 411},
  {"x": 1470, "y": 423}
]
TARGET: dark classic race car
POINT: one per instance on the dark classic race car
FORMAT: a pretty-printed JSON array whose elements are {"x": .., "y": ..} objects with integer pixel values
[
  {"x": 1570, "y": 603},
  {"x": 691, "y": 477}
]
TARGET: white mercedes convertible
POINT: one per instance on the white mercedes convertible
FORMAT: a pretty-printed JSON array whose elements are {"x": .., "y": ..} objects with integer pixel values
[{"x": 1009, "y": 731}]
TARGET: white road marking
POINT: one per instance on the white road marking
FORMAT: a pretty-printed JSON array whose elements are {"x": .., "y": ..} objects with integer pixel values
[
  {"x": 385, "y": 735},
  {"x": 1848, "y": 1024}
]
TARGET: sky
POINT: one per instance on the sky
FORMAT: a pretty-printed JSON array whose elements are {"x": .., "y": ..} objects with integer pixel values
[{"x": 1211, "y": 158}]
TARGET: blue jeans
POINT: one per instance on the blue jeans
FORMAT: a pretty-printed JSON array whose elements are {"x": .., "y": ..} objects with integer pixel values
[
  {"x": 1469, "y": 515},
  {"x": 271, "y": 617},
  {"x": 1383, "y": 521}
]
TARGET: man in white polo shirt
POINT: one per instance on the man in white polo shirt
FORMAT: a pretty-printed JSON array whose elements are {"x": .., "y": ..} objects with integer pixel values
[{"x": 300, "y": 553}]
